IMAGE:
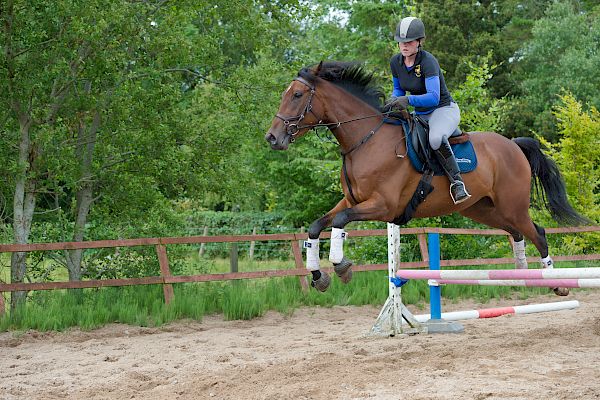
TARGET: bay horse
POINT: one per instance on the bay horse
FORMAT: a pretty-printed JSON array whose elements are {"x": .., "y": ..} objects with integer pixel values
[{"x": 378, "y": 184}]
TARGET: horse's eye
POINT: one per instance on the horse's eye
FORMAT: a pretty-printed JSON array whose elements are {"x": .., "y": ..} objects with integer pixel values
[{"x": 298, "y": 94}]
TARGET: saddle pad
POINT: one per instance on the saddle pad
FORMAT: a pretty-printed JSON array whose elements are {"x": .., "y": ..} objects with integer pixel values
[{"x": 464, "y": 152}]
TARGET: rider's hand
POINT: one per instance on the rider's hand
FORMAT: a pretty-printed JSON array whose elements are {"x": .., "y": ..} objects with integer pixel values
[{"x": 396, "y": 103}]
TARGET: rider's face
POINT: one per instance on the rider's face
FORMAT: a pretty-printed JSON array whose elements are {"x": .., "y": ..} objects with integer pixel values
[{"x": 409, "y": 48}]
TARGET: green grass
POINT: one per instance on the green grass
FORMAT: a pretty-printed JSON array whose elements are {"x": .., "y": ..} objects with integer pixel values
[{"x": 243, "y": 299}]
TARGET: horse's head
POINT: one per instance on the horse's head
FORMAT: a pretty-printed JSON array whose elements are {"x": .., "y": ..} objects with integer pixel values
[
  {"x": 302, "y": 109},
  {"x": 296, "y": 114}
]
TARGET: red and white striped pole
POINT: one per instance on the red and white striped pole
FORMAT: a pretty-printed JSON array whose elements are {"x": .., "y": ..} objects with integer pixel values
[{"x": 497, "y": 312}]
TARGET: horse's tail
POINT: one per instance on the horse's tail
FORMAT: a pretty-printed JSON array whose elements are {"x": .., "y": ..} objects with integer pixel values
[{"x": 548, "y": 185}]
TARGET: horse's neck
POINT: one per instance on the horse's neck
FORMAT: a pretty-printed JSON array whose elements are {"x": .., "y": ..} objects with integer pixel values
[{"x": 343, "y": 107}]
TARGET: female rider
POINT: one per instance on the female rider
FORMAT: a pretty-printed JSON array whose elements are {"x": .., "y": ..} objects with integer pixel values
[{"x": 418, "y": 72}]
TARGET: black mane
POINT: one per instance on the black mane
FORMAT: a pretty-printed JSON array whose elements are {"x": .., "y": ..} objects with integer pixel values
[{"x": 351, "y": 77}]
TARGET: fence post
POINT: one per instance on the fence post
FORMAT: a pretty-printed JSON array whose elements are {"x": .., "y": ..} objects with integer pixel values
[
  {"x": 423, "y": 247},
  {"x": 233, "y": 257},
  {"x": 301, "y": 242},
  {"x": 165, "y": 271},
  {"x": 2, "y": 305},
  {"x": 252, "y": 244},
  {"x": 202, "y": 245},
  {"x": 297, "y": 252}
]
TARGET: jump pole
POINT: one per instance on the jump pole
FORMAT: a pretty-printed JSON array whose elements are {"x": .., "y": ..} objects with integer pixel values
[
  {"x": 499, "y": 311},
  {"x": 502, "y": 274},
  {"x": 572, "y": 277},
  {"x": 549, "y": 283}
]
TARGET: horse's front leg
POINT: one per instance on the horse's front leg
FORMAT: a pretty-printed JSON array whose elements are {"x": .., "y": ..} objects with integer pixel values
[
  {"x": 370, "y": 210},
  {"x": 320, "y": 279}
]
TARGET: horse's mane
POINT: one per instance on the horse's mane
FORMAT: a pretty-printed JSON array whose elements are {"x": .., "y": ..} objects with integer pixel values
[{"x": 350, "y": 76}]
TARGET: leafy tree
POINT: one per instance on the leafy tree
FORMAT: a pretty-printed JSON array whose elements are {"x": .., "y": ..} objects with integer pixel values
[
  {"x": 578, "y": 157},
  {"x": 105, "y": 107},
  {"x": 563, "y": 53},
  {"x": 479, "y": 110},
  {"x": 460, "y": 32},
  {"x": 354, "y": 31},
  {"x": 577, "y": 153}
]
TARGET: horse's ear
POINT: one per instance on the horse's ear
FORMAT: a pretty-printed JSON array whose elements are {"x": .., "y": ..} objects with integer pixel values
[{"x": 318, "y": 69}]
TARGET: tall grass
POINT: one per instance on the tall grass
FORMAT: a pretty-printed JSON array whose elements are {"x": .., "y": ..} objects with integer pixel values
[{"x": 144, "y": 305}]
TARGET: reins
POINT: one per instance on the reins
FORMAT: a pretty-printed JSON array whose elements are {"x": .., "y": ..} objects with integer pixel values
[
  {"x": 292, "y": 127},
  {"x": 292, "y": 124}
]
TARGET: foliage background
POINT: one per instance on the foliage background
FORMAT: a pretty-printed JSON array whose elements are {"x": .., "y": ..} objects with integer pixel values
[{"x": 156, "y": 110}]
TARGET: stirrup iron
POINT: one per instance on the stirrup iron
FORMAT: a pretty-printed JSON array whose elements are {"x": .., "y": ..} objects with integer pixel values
[{"x": 456, "y": 183}]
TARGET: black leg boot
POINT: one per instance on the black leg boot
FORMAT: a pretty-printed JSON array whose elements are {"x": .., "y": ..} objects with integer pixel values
[{"x": 445, "y": 156}]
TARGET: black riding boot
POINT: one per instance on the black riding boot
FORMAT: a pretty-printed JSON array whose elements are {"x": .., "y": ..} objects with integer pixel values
[{"x": 445, "y": 156}]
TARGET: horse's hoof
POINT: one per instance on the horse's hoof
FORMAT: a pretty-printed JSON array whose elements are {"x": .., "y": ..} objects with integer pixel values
[
  {"x": 322, "y": 283},
  {"x": 561, "y": 291},
  {"x": 346, "y": 276},
  {"x": 343, "y": 270}
]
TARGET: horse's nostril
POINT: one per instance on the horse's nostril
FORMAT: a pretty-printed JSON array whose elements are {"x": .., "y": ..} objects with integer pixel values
[{"x": 271, "y": 138}]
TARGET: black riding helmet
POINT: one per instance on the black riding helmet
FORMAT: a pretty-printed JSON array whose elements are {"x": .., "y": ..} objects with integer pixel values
[{"x": 409, "y": 29}]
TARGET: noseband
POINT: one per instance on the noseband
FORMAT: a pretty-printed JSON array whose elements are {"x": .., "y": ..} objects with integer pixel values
[{"x": 292, "y": 124}]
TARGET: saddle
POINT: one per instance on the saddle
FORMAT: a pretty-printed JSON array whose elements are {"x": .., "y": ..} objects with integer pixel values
[
  {"x": 423, "y": 160},
  {"x": 420, "y": 153}
]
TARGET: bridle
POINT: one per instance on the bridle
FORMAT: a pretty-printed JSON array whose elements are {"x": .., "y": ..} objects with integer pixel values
[{"x": 292, "y": 124}]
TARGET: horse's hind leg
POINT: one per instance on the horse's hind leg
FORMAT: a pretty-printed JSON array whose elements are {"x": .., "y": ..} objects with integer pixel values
[
  {"x": 546, "y": 260},
  {"x": 518, "y": 224},
  {"x": 485, "y": 212}
]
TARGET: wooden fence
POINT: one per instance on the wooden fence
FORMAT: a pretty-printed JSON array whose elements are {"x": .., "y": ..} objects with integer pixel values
[{"x": 167, "y": 279}]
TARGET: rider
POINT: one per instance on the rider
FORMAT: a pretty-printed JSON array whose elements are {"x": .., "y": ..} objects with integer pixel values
[{"x": 417, "y": 71}]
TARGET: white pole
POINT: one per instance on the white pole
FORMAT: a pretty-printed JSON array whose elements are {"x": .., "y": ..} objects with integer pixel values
[
  {"x": 550, "y": 283},
  {"x": 497, "y": 312},
  {"x": 393, "y": 264},
  {"x": 501, "y": 274}
]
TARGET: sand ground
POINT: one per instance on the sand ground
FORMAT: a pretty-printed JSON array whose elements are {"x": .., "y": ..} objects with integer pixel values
[{"x": 316, "y": 353}]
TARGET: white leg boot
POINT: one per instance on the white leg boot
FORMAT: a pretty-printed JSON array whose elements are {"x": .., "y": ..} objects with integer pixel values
[
  {"x": 549, "y": 264},
  {"x": 520, "y": 257},
  {"x": 312, "y": 254},
  {"x": 336, "y": 252}
]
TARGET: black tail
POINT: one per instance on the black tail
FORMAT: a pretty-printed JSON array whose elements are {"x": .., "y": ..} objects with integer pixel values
[{"x": 548, "y": 185}]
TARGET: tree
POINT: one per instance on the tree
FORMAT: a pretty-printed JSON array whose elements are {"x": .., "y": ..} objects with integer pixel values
[
  {"x": 104, "y": 108},
  {"x": 479, "y": 110},
  {"x": 563, "y": 53},
  {"x": 577, "y": 153},
  {"x": 578, "y": 156}
]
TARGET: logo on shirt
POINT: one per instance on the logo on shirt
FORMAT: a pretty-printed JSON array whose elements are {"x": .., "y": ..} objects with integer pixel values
[{"x": 418, "y": 70}]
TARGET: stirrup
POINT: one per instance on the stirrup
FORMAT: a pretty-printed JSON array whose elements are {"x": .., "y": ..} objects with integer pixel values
[{"x": 467, "y": 195}]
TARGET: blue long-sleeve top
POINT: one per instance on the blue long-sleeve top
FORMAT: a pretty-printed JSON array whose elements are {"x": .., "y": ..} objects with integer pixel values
[
  {"x": 427, "y": 100},
  {"x": 424, "y": 81}
]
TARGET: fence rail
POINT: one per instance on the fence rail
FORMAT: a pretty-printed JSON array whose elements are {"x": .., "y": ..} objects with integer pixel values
[{"x": 167, "y": 279}]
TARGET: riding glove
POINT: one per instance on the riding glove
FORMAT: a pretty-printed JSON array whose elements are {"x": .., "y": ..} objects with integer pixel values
[{"x": 396, "y": 103}]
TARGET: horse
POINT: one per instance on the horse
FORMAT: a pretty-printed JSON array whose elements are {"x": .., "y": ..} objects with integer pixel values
[{"x": 378, "y": 182}]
